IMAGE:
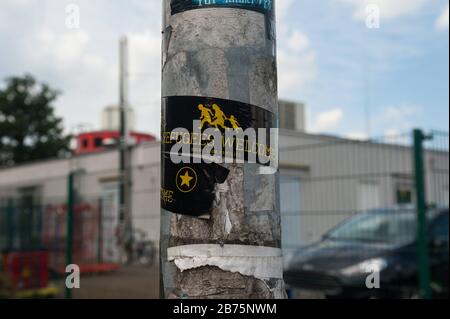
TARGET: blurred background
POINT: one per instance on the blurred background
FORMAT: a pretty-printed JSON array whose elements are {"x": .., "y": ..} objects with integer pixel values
[{"x": 364, "y": 103}]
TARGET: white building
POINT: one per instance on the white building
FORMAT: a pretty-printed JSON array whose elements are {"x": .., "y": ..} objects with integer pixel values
[{"x": 323, "y": 181}]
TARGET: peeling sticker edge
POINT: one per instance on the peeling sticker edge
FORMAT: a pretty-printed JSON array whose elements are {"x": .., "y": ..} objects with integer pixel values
[
  {"x": 263, "y": 263},
  {"x": 221, "y": 189}
]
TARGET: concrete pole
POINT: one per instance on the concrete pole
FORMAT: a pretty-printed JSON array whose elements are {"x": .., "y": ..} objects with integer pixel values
[{"x": 225, "y": 53}]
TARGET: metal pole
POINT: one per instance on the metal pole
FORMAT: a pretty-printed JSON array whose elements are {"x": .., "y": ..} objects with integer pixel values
[
  {"x": 69, "y": 226},
  {"x": 124, "y": 165},
  {"x": 422, "y": 229},
  {"x": 123, "y": 123},
  {"x": 221, "y": 59}
]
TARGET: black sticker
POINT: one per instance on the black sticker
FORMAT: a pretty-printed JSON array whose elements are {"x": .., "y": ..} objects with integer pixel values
[
  {"x": 188, "y": 180},
  {"x": 230, "y": 119},
  {"x": 263, "y": 6},
  {"x": 188, "y": 189}
]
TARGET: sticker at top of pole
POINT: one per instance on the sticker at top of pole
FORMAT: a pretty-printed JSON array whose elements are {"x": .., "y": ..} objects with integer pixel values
[{"x": 263, "y": 6}]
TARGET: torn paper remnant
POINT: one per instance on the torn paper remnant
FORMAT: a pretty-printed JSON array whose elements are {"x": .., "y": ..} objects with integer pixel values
[{"x": 260, "y": 262}]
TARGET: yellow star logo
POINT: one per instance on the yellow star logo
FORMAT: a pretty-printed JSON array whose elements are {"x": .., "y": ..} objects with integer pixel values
[{"x": 186, "y": 179}]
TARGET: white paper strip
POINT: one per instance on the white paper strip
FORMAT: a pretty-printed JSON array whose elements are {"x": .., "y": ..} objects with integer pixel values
[{"x": 259, "y": 262}]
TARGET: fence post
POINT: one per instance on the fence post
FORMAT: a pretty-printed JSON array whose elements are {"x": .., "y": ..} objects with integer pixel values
[
  {"x": 10, "y": 224},
  {"x": 69, "y": 225},
  {"x": 100, "y": 231},
  {"x": 422, "y": 229}
]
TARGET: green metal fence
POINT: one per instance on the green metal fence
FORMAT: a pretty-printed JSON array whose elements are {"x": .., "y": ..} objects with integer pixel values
[
  {"x": 432, "y": 187},
  {"x": 350, "y": 209},
  {"x": 354, "y": 211}
]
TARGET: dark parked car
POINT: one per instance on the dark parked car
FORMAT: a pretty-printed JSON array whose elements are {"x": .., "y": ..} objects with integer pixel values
[{"x": 380, "y": 242}]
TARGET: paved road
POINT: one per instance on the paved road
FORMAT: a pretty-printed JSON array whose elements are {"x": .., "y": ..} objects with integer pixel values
[{"x": 133, "y": 282}]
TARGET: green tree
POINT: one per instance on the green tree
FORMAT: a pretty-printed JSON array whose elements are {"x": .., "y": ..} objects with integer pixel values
[{"x": 29, "y": 129}]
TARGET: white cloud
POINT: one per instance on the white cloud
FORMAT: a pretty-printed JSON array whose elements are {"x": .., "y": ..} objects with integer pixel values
[
  {"x": 296, "y": 58},
  {"x": 389, "y": 9},
  {"x": 397, "y": 136},
  {"x": 63, "y": 48},
  {"x": 294, "y": 70},
  {"x": 360, "y": 136},
  {"x": 16, "y": 3},
  {"x": 442, "y": 21},
  {"x": 327, "y": 120},
  {"x": 145, "y": 75},
  {"x": 282, "y": 7},
  {"x": 83, "y": 63},
  {"x": 298, "y": 41},
  {"x": 398, "y": 113},
  {"x": 397, "y": 120},
  {"x": 8, "y": 6},
  {"x": 392, "y": 132}
]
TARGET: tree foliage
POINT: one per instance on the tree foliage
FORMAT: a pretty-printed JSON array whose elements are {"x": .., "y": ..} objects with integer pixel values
[{"x": 29, "y": 129}]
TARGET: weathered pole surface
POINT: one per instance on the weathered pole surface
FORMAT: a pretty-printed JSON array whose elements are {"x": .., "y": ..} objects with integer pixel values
[{"x": 227, "y": 54}]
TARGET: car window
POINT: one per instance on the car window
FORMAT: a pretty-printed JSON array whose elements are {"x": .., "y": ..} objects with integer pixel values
[
  {"x": 440, "y": 228},
  {"x": 394, "y": 227}
]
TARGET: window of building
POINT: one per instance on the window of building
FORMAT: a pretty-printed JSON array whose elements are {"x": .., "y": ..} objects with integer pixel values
[
  {"x": 287, "y": 115},
  {"x": 98, "y": 142},
  {"x": 404, "y": 196},
  {"x": 28, "y": 215},
  {"x": 110, "y": 213},
  {"x": 291, "y": 215}
]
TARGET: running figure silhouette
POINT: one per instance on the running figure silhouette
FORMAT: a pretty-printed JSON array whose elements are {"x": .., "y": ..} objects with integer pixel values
[
  {"x": 216, "y": 118},
  {"x": 206, "y": 116},
  {"x": 234, "y": 122},
  {"x": 219, "y": 117}
]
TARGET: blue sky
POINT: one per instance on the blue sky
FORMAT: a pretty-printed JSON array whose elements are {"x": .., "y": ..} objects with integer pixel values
[
  {"x": 400, "y": 71},
  {"x": 327, "y": 56}
]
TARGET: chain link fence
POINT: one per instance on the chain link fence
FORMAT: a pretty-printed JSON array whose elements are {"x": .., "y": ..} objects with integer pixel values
[
  {"x": 350, "y": 227},
  {"x": 34, "y": 228},
  {"x": 348, "y": 209}
]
